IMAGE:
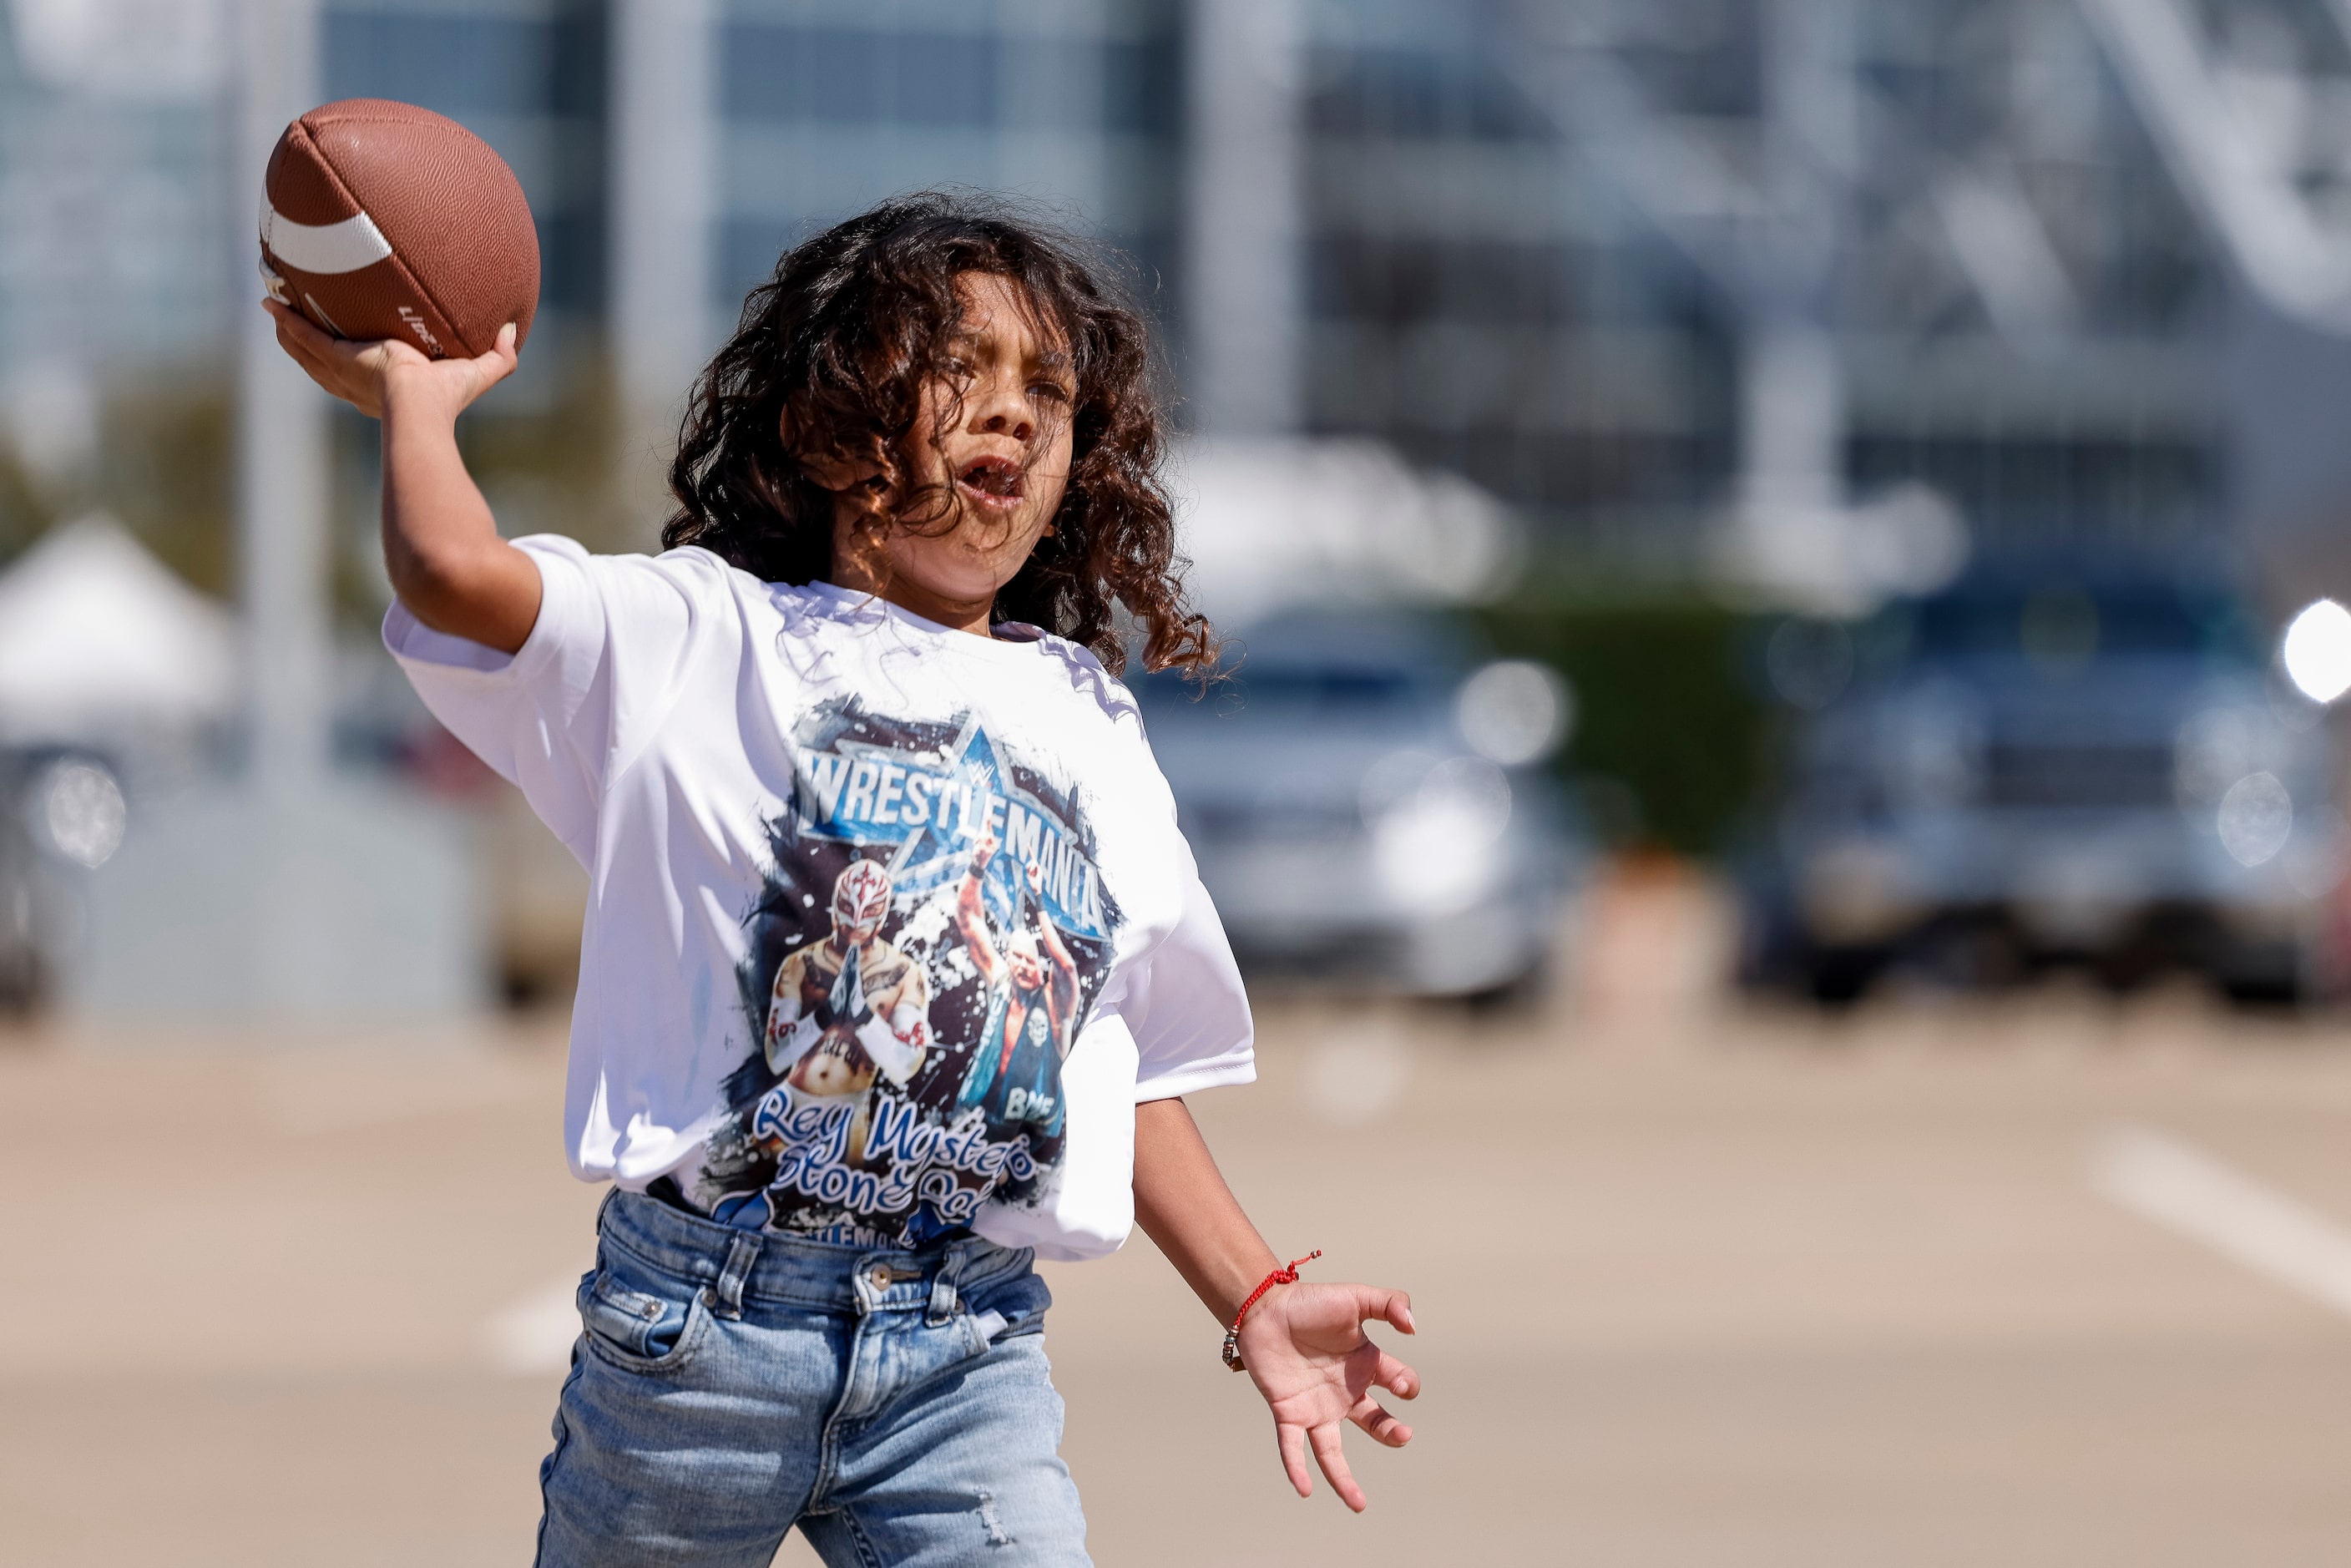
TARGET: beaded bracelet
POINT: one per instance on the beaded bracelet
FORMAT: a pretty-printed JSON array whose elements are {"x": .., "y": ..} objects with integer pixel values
[{"x": 1286, "y": 1275}]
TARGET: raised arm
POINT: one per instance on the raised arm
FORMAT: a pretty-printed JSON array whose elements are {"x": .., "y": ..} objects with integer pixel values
[
  {"x": 971, "y": 914},
  {"x": 441, "y": 546},
  {"x": 790, "y": 1031},
  {"x": 1064, "y": 991}
]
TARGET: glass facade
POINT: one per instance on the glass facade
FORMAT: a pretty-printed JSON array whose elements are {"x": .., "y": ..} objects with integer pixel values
[
  {"x": 1505, "y": 281},
  {"x": 114, "y": 209},
  {"x": 826, "y": 107},
  {"x": 528, "y": 77},
  {"x": 1479, "y": 298},
  {"x": 2021, "y": 299}
]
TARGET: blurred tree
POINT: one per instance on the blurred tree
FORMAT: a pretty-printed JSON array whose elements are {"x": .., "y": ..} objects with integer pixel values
[
  {"x": 23, "y": 512},
  {"x": 167, "y": 470},
  {"x": 161, "y": 465},
  {"x": 547, "y": 463},
  {"x": 1662, "y": 710}
]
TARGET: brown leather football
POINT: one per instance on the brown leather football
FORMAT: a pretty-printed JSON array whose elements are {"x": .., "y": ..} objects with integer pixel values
[{"x": 384, "y": 220}]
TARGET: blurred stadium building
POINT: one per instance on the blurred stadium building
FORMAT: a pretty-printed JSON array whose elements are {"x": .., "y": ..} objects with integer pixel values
[
  {"x": 1618, "y": 265},
  {"x": 1792, "y": 289}
]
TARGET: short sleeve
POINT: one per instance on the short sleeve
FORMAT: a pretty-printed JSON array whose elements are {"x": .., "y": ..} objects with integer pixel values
[
  {"x": 603, "y": 664},
  {"x": 1186, "y": 1008}
]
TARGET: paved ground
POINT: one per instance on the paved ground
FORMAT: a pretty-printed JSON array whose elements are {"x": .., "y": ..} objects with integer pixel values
[{"x": 1696, "y": 1287}]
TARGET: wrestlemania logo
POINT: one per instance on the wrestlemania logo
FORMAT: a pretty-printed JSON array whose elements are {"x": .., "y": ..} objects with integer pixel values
[{"x": 922, "y": 958}]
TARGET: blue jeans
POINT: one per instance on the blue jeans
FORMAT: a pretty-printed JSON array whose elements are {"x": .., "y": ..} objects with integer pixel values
[{"x": 895, "y": 1405}]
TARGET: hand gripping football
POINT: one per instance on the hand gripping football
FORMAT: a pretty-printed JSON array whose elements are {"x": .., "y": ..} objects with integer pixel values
[{"x": 384, "y": 220}]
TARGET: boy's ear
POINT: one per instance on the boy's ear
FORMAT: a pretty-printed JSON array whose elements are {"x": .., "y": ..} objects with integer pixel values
[{"x": 833, "y": 470}]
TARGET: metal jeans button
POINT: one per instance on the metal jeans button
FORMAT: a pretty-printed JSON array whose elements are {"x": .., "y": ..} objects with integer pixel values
[{"x": 881, "y": 1275}]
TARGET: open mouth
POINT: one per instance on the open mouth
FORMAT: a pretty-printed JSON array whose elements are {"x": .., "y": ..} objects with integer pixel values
[{"x": 997, "y": 483}]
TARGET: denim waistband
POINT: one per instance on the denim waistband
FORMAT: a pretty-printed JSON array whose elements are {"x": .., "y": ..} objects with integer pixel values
[{"x": 771, "y": 1266}]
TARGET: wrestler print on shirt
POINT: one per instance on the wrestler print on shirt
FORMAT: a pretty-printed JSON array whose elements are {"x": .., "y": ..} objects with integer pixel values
[{"x": 920, "y": 961}]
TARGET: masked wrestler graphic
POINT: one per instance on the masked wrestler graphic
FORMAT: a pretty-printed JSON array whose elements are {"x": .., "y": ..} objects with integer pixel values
[
  {"x": 851, "y": 1006},
  {"x": 1014, "y": 1076}
]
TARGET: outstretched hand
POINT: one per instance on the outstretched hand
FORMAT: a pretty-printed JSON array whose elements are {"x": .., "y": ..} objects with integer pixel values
[
  {"x": 362, "y": 373},
  {"x": 1306, "y": 1351}
]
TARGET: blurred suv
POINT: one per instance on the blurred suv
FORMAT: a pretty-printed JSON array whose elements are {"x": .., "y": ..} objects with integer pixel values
[
  {"x": 2049, "y": 762},
  {"x": 1363, "y": 797}
]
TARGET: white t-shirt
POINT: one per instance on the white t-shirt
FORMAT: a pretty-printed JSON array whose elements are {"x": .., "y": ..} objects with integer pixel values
[{"x": 806, "y": 996}]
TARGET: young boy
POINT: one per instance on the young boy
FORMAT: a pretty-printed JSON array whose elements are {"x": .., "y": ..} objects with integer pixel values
[{"x": 895, "y": 967}]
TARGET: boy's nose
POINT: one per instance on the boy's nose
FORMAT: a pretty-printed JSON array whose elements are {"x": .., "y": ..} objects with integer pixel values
[{"x": 1006, "y": 412}]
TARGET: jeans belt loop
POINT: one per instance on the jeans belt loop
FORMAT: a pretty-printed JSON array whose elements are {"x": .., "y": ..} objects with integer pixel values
[
  {"x": 944, "y": 1302},
  {"x": 741, "y": 1254}
]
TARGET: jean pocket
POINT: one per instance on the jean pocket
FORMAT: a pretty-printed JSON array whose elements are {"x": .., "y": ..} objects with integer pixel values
[
  {"x": 640, "y": 1330},
  {"x": 1011, "y": 1304}
]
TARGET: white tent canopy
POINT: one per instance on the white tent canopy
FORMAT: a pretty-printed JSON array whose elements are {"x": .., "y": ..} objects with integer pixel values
[{"x": 99, "y": 639}]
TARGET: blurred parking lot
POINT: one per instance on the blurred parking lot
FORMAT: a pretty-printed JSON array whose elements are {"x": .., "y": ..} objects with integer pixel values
[
  {"x": 1785, "y": 576},
  {"x": 1699, "y": 1282}
]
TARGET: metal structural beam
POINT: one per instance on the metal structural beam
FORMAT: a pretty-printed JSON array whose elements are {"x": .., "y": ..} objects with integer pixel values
[
  {"x": 281, "y": 444},
  {"x": 1243, "y": 195},
  {"x": 1767, "y": 240},
  {"x": 665, "y": 169},
  {"x": 2240, "y": 181}
]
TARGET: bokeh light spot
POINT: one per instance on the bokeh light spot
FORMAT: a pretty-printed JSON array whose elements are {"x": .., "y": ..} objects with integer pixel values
[
  {"x": 1514, "y": 712},
  {"x": 2256, "y": 818},
  {"x": 2318, "y": 651},
  {"x": 82, "y": 807}
]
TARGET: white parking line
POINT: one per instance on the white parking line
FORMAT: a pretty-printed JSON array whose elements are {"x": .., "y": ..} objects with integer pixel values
[
  {"x": 533, "y": 1335},
  {"x": 2188, "y": 1191}
]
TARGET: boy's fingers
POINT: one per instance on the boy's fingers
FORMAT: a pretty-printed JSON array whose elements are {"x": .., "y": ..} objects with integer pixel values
[
  {"x": 303, "y": 353},
  {"x": 317, "y": 368},
  {"x": 1292, "y": 1439},
  {"x": 1374, "y": 1304},
  {"x": 1333, "y": 1460},
  {"x": 313, "y": 356},
  {"x": 1380, "y": 1423},
  {"x": 500, "y": 362},
  {"x": 293, "y": 324},
  {"x": 1396, "y": 1377}
]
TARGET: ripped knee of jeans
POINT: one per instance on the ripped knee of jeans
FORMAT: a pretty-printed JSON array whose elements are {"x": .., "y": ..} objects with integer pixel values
[{"x": 997, "y": 1534}]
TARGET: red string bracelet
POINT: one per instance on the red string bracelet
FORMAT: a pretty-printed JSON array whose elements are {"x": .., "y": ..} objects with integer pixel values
[{"x": 1286, "y": 1275}]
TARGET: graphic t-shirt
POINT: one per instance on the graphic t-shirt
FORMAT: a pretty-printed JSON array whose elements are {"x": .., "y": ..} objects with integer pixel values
[{"x": 889, "y": 927}]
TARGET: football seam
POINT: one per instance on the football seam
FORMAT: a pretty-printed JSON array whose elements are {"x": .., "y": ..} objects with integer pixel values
[{"x": 396, "y": 259}]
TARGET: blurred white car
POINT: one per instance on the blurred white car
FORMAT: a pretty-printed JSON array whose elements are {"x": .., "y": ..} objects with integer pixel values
[{"x": 1366, "y": 803}]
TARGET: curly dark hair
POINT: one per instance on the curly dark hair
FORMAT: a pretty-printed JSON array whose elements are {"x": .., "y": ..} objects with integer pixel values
[{"x": 837, "y": 348}]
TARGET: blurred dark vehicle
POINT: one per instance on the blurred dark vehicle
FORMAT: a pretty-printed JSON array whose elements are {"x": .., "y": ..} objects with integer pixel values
[
  {"x": 1366, "y": 800},
  {"x": 2048, "y": 763}
]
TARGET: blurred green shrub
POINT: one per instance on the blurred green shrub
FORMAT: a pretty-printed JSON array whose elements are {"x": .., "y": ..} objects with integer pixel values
[
  {"x": 165, "y": 464},
  {"x": 1672, "y": 743},
  {"x": 161, "y": 465}
]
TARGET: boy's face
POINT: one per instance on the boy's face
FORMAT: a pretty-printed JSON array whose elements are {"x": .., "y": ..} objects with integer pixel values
[{"x": 1000, "y": 455}]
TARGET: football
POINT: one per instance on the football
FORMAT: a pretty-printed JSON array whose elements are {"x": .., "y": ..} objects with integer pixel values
[{"x": 384, "y": 220}]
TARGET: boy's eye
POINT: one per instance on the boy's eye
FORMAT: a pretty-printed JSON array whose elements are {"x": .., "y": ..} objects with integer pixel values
[{"x": 1057, "y": 391}]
